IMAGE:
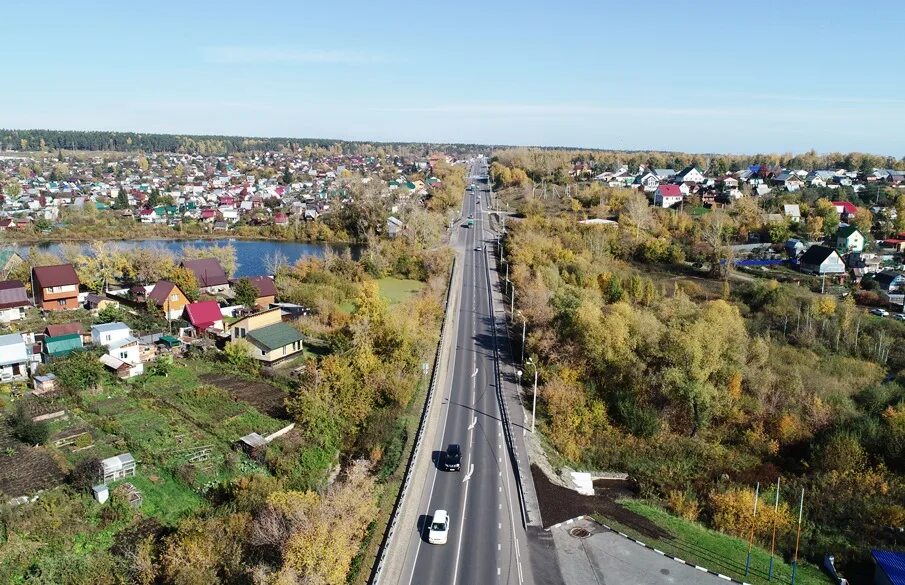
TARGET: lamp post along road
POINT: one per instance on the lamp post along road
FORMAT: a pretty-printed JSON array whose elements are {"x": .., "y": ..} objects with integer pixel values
[
  {"x": 531, "y": 363},
  {"x": 524, "y": 326}
]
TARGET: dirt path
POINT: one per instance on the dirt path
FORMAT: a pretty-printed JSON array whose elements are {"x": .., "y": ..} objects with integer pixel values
[{"x": 559, "y": 504}]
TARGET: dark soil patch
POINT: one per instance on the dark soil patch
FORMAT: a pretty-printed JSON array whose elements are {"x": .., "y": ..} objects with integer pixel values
[
  {"x": 266, "y": 398},
  {"x": 558, "y": 504},
  {"x": 28, "y": 470}
]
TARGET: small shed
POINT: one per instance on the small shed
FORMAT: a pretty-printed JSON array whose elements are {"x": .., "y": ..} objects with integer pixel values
[
  {"x": 44, "y": 384},
  {"x": 114, "y": 468},
  {"x": 61, "y": 346},
  {"x": 169, "y": 341},
  {"x": 101, "y": 493},
  {"x": 253, "y": 444}
]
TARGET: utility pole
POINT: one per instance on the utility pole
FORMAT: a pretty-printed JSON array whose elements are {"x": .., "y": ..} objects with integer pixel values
[
  {"x": 534, "y": 399},
  {"x": 524, "y": 326}
]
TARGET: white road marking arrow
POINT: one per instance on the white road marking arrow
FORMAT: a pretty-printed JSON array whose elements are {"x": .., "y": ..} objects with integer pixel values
[
  {"x": 473, "y": 423},
  {"x": 475, "y": 373},
  {"x": 468, "y": 475}
]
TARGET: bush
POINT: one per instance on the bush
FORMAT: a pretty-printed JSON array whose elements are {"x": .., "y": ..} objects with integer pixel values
[
  {"x": 27, "y": 430},
  {"x": 86, "y": 473}
]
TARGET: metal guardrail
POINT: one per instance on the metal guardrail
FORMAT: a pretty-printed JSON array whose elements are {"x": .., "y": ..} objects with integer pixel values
[
  {"x": 416, "y": 447},
  {"x": 504, "y": 410}
]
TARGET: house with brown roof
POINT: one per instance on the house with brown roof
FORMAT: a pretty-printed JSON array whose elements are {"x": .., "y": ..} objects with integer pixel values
[
  {"x": 169, "y": 298},
  {"x": 267, "y": 290},
  {"x": 56, "y": 288},
  {"x": 211, "y": 276},
  {"x": 13, "y": 300}
]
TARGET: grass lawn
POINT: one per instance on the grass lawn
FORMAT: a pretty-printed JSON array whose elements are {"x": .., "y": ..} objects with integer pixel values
[
  {"x": 716, "y": 551},
  {"x": 394, "y": 290}
]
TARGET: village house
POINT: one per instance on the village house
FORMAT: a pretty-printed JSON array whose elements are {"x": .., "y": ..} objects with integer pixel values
[
  {"x": 890, "y": 281},
  {"x": 849, "y": 239},
  {"x": 792, "y": 211},
  {"x": 846, "y": 210},
  {"x": 169, "y": 298},
  {"x": 266, "y": 290},
  {"x": 14, "y": 360},
  {"x": 821, "y": 260},
  {"x": 123, "y": 355},
  {"x": 273, "y": 340},
  {"x": 667, "y": 196},
  {"x": 60, "y": 346},
  {"x": 13, "y": 300},
  {"x": 56, "y": 287},
  {"x": 689, "y": 174},
  {"x": 56, "y": 330},
  {"x": 394, "y": 226},
  {"x": 204, "y": 316},
  {"x": 210, "y": 275}
]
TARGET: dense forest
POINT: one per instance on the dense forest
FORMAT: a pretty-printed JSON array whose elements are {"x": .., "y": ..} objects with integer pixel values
[{"x": 31, "y": 140}]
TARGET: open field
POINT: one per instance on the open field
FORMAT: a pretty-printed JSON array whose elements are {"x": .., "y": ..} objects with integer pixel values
[
  {"x": 265, "y": 397},
  {"x": 716, "y": 551},
  {"x": 394, "y": 290}
]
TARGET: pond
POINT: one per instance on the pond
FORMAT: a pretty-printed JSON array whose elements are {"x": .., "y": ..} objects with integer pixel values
[{"x": 250, "y": 254}]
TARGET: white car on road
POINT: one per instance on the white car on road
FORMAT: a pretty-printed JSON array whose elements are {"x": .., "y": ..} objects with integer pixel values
[
  {"x": 439, "y": 528},
  {"x": 879, "y": 312}
]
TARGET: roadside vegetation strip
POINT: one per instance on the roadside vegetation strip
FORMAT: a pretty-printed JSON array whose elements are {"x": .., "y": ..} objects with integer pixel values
[
  {"x": 719, "y": 553},
  {"x": 416, "y": 445}
]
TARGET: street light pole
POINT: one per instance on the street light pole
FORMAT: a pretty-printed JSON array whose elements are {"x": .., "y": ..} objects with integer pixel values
[
  {"x": 524, "y": 326},
  {"x": 534, "y": 402},
  {"x": 512, "y": 307}
]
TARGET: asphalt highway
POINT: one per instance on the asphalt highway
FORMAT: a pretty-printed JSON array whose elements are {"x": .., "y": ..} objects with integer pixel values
[{"x": 487, "y": 543}]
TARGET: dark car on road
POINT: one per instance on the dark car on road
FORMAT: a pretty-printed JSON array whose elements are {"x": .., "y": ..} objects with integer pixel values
[{"x": 452, "y": 458}]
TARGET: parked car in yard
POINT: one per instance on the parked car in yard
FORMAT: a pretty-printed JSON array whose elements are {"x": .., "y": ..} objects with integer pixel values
[{"x": 879, "y": 312}]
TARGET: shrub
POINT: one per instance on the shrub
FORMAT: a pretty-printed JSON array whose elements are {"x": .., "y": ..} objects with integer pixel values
[
  {"x": 683, "y": 504},
  {"x": 86, "y": 473},
  {"x": 27, "y": 430}
]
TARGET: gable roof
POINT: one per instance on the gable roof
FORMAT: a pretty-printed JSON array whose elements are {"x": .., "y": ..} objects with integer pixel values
[
  {"x": 63, "y": 344},
  {"x": 208, "y": 271},
  {"x": 12, "y": 294},
  {"x": 847, "y": 231},
  {"x": 14, "y": 350},
  {"x": 669, "y": 191},
  {"x": 845, "y": 206},
  {"x": 274, "y": 336},
  {"x": 817, "y": 255},
  {"x": 265, "y": 286},
  {"x": 63, "y": 329},
  {"x": 161, "y": 292},
  {"x": 203, "y": 314},
  {"x": 108, "y": 327},
  {"x": 57, "y": 275}
]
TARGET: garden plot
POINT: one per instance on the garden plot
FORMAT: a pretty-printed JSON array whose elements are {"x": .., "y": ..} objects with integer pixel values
[
  {"x": 264, "y": 397},
  {"x": 26, "y": 470}
]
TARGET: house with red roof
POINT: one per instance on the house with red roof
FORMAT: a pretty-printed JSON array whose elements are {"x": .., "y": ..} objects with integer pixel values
[
  {"x": 846, "y": 209},
  {"x": 204, "y": 316},
  {"x": 280, "y": 219},
  {"x": 56, "y": 288},
  {"x": 667, "y": 196}
]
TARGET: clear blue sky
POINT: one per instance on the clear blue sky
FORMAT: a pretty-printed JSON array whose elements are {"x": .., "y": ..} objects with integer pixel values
[{"x": 701, "y": 76}]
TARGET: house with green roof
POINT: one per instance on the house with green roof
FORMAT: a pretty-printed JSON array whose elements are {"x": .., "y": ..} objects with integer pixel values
[
  {"x": 275, "y": 343},
  {"x": 849, "y": 239},
  {"x": 61, "y": 346}
]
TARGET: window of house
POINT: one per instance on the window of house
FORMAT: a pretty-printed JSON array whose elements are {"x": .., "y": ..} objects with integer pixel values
[
  {"x": 174, "y": 297},
  {"x": 61, "y": 302},
  {"x": 263, "y": 352},
  {"x": 123, "y": 355}
]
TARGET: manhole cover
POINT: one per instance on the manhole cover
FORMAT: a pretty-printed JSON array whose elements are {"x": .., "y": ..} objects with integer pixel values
[{"x": 579, "y": 533}]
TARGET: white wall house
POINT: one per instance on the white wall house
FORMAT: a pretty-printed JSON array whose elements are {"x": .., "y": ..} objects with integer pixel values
[
  {"x": 123, "y": 355},
  {"x": 107, "y": 334},
  {"x": 14, "y": 362}
]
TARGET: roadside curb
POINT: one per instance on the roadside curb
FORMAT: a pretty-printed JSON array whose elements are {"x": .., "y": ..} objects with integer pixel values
[{"x": 647, "y": 546}]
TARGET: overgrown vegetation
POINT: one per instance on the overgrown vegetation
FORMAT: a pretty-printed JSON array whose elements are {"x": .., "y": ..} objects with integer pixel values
[{"x": 699, "y": 388}]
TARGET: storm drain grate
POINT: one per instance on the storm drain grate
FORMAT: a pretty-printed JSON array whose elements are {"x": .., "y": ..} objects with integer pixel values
[{"x": 579, "y": 533}]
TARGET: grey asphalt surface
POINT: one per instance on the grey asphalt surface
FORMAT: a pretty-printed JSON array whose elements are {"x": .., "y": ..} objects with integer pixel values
[
  {"x": 607, "y": 558},
  {"x": 487, "y": 542}
]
